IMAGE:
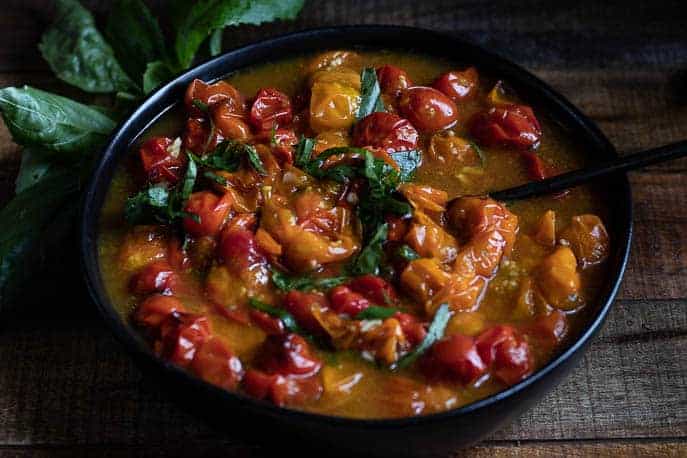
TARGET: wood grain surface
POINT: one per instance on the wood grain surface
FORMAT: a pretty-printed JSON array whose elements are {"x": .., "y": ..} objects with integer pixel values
[{"x": 67, "y": 389}]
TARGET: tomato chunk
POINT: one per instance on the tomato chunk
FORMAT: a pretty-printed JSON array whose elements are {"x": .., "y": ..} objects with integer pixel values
[
  {"x": 428, "y": 109},
  {"x": 211, "y": 94},
  {"x": 344, "y": 300},
  {"x": 300, "y": 304},
  {"x": 458, "y": 85},
  {"x": 392, "y": 80},
  {"x": 552, "y": 328},
  {"x": 508, "y": 354},
  {"x": 281, "y": 390},
  {"x": 229, "y": 123},
  {"x": 455, "y": 358},
  {"x": 375, "y": 288},
  {"x": 271, "y": 325},
  {"x": 216, "y": 364},
  {"x": 161, "y": 160},
  {"x": 182, "y": 334},
  {"x": 282, "y": 143},
  {"x": 211, "y": 210},
  {"x": 239, "y": 250},
  {"x": 271, "y": 110},
  {"x": 288, "y": 354},
  {"x": 511, "y": 125},
  {"x": 414, "y": 329},
  {"x": 152, "y": 311},
  {"x": 156, "y": 277},
  {"x": 387, "y": 131}
]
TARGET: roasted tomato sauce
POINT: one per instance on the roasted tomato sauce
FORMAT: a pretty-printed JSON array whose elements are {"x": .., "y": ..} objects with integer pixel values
[{"x": 315, "y": 232}]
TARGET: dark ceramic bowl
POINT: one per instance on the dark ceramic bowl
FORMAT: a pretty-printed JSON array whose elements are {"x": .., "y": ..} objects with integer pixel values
[{"x": 424, "y": 435}]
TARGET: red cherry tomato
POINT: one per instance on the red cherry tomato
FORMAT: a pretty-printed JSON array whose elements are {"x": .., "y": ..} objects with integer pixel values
[
  {"x": 154, "y": 310},
  {"x": 375, "y": 288},
  {"x": 299, "y": 304},
  {"x": 458, "y": 85},
  {"x": 511, "y": 125},
  {"x": 344, "y": 300},
  {"x": 271, "y": 110},
  {"x": 216, "y": 364},
  {"x": 387, "y": 131},
  {"x": 159, "y": 162},
  {"x": 427, "y": 109},
  {"x": 197, "y": 136},
  {"x": 211, "y": 94},
  {"x": 156, "y": 277},
  {"x": 239, "y": 250},
  {"x": 282, "y": 142},
  {"x": 269, "y": 324},
  {"x": 455, "y": 358},
  {"x": 182, "y": 335},
  {"x": 392, "y": 80},
  {"x": 228, "y": 123},
  {"x": 288, "y": 354},
  {"x": 212, "y": 211},
  {"x": 508, "y": 354},
  {"x": 397, "y": 228},
  {"x": 551, "y": 328},
  {"x": 414, "y": 329},
  {"x": 281, "y": 390}
]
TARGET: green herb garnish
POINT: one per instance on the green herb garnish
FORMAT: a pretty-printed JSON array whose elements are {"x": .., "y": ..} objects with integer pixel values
[
  {"x": 434, "y": 333},
  {"x": 227, "y": 156},
  {"x": 370, "y": 94},
  {"x": 216, "y": 178},
  {"x": 375, "y": 312},
  {"x": 306, "y": 283},
  {"x": 371, "y": 256},
  {"x": 285, "y": 317},
  {"x": 407, "y": 253}
]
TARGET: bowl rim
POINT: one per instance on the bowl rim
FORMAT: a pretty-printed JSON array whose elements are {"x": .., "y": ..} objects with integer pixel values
[{"x": 155, "y": 105}]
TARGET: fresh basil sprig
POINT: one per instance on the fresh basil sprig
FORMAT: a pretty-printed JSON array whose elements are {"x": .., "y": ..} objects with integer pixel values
[
  {"x": 434, "y": 333},
  {"x": 370, "y": 94}
]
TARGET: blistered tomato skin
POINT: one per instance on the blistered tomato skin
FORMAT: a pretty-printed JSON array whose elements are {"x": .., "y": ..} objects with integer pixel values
[
  {"x": 375, "y": 288},
  {"x": 230, "y": 124},
  {"x": 392, "y": 80},
  {"x": 513, "y": 126},
  {"x": 161, "y": 160},
  {"x": 154, "y": 310},
  {"x": 288, "y": 354},
  {"x": 506, "y": 352},
  {"x": 427, "y": 109},
  {"x": 344, "y": 300},
  {"x": 156, "y": 277},
  {"x": 271, "y": 110},
  {"x": 181, "y": 337},
  {"x": 216, "y": 364},
  {"x": 455, "y": 358},
  {"x": 458, "y": 85},
  {"x": 239, "y": 250},
  {"x": 211, "y": 210},
  {"x": 299, "y": 304},
  {"x": 387, "y": 131},
  {"x": 211, "y": 94}
]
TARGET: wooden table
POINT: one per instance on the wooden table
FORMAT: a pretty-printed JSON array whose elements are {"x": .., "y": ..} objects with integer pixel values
[{"x": 67, "y": 388}]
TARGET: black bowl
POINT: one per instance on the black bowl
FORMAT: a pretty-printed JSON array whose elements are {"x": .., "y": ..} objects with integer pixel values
[{"x": 422, "y": 435}]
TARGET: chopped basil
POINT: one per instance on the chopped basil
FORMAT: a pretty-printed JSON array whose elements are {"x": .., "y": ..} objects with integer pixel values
[
  {"x": 305, "y": 283},
  {"x": 407, "y": 253},
  {"x": 370, "y": 257},
  {"x": 202, "y": 106},
  {"x": 375, "y": 312},
  {"x": 480, "y": 153},
  {"x": 370, "y": 94},
  {"x": 434, "y": 333},
  {"x": 227, "y": 156},
  {"x": 285, "y": 317},
  {"x": 304, "y": 152},
  {"x": 216, "y": 178}
]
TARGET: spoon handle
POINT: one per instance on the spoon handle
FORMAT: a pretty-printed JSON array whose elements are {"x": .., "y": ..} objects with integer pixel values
[{"x": 571, "y": 179}]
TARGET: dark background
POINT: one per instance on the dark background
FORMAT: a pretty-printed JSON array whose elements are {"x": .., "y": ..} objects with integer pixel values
[{"x": 67, "y": 388}]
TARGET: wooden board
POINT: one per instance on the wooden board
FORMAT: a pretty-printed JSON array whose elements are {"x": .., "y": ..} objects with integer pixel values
[{"x": 68, "y": 389}]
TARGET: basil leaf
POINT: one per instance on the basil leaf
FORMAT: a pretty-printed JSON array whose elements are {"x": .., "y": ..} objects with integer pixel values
[
  {"x": 149, "y": 202},
  {"x": 79, "y": 55},
  {"x": 434, "y": 333},
  {"x": 304, "y": 152},
  {"x": 216, "y": 178},
  {"x": 189, "y": 179},
  {"x": 305, "y": 283},
  {"x": 408, "y": 162},
  {"x": 285, "y": 317},
  {"x": 45, "y": 120},
  {"x": 370, "y": 94},
  {"x": 34, "y": 167},
  {"x": 407, "y": 253},
  {"x": 156, "y": 74},
  {"x": 254, "y": 159},
  {"x": 135, "y": 36},
  {"x": 202, "y": 18},
  {"x": 370, "y": 257},
  {"x": 480, "y": 153},
  {"x": 31, "y": 212},
  {"x": 375, "y": 312},
  {"x": 227, "y": 156},
  {"x": 216, "y": 42}
]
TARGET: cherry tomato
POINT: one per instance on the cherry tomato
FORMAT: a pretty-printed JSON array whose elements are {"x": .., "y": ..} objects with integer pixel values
[
  {"x": 269, "y": 324},
  {"x": 299, "y": 304},
  {"x": 535, "y": 165},
  {"x": 156, "y": 277},
  {"x": 511, "y": 125},
  {"x": 239, "y": 250},
  {"x": 344, "y": 300},
  {"x": 176, "y": 254},
  {"x": 282, "y": 143},
  {"x": 387, "y": 131},
  {"x": 271, "y": 110},
  {"x": 288, "y": 354},
  {"x": 281, "y": 390},
  {"x": 210, "y": 209},
  {"x": 161, "y": 161},
  {"x": 392, "y": 79},
  {"x": 152, "y": 311},
  {"x": 228, "y": 123},
  {"x": 210, "y": 94},
  {"x": 375, "y": 288},
  {"x": 216, "y": 364},
  {"x": 414, "y": 329},
  {"x": 455, "y": 358},
  {"x": 427, "y": 109},
  {"x": 458, "y": 85},
  {"x": 182, "y": 335},
  {"x": 197, "y": 136},
  {"x": 508, "y": 354},
  {"x": 397, "y": 227},
  {"x": 552, "y": 328}
]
